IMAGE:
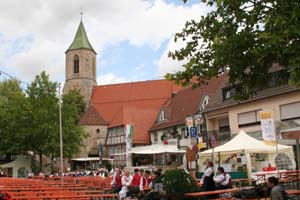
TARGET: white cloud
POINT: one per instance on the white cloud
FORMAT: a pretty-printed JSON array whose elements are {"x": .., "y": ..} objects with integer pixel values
[
  {"x": 110, "y": 78},
  {"x": 52, "y": 25},
  {"x": 140, "y": 67},
  {"x": 167, "y": 64}
]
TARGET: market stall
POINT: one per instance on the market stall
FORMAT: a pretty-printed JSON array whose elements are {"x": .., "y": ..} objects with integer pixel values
[
  {"x": 157, "y": 154},
  {"x": 88, "y": 162},
  {"x": 20, "y": 167},
  {"x": 293, "y": 134},
  {"x": 244, "y": 152}
]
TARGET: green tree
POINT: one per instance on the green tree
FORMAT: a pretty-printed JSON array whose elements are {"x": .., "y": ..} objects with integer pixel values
[
  {"x": 245, "y": 37},
  {"x": 43, "y": 135},
  {"x": 72, "y": 110},
  {"x": 42, "y": 116},
  {"x": 13, "y": 109},
  {"x": 73, "y": 102}
]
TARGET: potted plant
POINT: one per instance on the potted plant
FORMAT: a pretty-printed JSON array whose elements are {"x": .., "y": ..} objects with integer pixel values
[{"x": 177, "y": 182}]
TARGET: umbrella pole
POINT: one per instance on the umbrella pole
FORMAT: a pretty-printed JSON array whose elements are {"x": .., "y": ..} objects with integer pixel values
[
  {"x": 297, "y": 153},
  {"x": 213, "y": 160},
  {"x": 277, "y": 151}
]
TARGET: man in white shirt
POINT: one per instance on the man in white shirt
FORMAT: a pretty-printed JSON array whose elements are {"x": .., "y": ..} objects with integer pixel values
[
  {"x": 222, "y": 180},
  {"x": 145, "y": 181},
  {"x": 126, "y": 182}
]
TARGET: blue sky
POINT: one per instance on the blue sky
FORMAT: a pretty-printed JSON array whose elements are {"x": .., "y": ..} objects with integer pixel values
[
  {"x": 134, "y": 62},
  {"x": 132, "y": 38}
]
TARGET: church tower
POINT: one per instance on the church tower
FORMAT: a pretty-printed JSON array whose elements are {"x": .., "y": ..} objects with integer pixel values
[{"x": 81, "y": 65}]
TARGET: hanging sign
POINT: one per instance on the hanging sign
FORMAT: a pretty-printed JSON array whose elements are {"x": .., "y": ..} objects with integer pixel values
[
  {"x": 193, "y": 131},
  {"x": 100, "y": 152},
  {"x": 198, "y": 118},
  {"x": 213, "y": 141},
  {"x": 268, "y": 127},
  {"x": 189, "y": 121}
]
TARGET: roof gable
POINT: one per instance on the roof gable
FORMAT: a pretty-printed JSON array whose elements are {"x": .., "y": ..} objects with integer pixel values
[
  {"x": 92, "y": 117},
  {"x": 186, "y": 102}
]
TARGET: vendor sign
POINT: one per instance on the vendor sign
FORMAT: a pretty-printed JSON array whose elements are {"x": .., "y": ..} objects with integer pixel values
[
  {"x": 198, "y": 119},
  {"x": 267, "y": 127},
  {"x": 189, "y": 121}
]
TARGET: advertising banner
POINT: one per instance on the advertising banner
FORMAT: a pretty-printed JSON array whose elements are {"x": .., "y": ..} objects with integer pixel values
[{"x": 268, "y": 127}]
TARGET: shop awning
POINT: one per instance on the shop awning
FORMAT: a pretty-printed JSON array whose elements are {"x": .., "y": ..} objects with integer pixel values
[
  {"x": 83, "y": 159},
  {"x": 243, "y": 143},
  {"x": 156, "y": 149},
  {"x": 291, "y": 133}
]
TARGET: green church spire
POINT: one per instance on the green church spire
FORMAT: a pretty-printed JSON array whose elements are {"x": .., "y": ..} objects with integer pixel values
[{"x": 81, "y": 40}]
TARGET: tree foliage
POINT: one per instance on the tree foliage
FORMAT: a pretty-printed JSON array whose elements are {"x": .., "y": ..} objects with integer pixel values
[
  {"x": 13, "y": 110},
  {"x": 41, "y": 137},
  {"x": 30, "y": 121},
  {"x": 245, "y": 37},
  {"x": 178, "y": 182},
  {"x": 73, "y": 108}
]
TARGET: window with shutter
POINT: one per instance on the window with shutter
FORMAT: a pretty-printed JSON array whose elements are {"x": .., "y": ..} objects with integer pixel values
[
  {"x": 224, "y": 124},
  {"x": 290, "y": 111},
  {"x": 249, "y": 118}
]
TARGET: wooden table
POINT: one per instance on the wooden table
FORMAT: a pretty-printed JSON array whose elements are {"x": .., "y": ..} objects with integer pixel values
[
  {"x": 240, "y": 181},
  {"x": 42, "y": 189},
  {"x": 87, "y": 196},
  {"x": 207, "y": 193},
  {"x": 262, "y": 176},
  {"x": 293, "y": 192}
]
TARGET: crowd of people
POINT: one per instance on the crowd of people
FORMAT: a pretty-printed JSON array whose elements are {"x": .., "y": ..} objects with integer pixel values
[
  {"x": 211, "y": 182},
  {"x": 140, "y": 184},
  {"x": 222, "y": 180},
  {"x": 143, "y": 184}
]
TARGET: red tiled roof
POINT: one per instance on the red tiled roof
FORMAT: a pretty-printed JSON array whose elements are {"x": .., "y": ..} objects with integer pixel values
[
  {"x": 134, "y": 103},
  {"x": 92, "y": 117},
  {"x": 186, "y": 102}
]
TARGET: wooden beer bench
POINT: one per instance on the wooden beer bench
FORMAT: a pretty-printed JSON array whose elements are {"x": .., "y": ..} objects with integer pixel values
[{"x": 207, "y": 193}]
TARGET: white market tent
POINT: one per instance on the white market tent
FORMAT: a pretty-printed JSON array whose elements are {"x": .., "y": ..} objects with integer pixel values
[
  {"x": 243, "y": 143},
  {"x": 19, "y": 163},
  {"x": 83, "y": 159},
  {"x": 156, "y": 149},
  {"x": 90, "y": 159}
]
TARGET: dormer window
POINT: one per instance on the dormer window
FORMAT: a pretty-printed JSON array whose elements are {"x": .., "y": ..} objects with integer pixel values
[
  {"x": 76, "y": 64},
  {"x": 229, "y": 93},
  {"x": 162, "y": 116}
]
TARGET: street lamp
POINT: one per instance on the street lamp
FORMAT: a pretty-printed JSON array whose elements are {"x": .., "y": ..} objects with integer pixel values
[{"x": 61, "y": 139}]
